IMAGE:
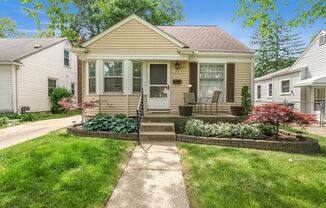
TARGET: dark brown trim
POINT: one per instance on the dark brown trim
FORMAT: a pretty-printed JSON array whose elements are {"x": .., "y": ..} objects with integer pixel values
[
  {"x": 79, "y": 81},
  {"x": 193, "y": 77},
  {"x": 230, "y": 79}
]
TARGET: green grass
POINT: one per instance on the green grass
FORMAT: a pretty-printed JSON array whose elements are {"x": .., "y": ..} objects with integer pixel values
[
  {"x": 234, "y": 177},
  {"x": 61, "y": 170}
]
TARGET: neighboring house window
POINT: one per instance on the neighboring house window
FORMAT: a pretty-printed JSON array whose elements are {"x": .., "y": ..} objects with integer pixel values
[
  {"x": 285, "y": 86},
  {"x": 137, "y": 77},
  {"x": 322, "y": 40},
  {"x": 211, "y": 79},
  {"x": 270, "y": 90},
  {"x": 92, "y": 78},
  {"x": 113, "y": 76},
  {"x": 66, "y": 58},
  {"x": 52, "y": 84},
  {"x": 258, "y": 92},
  {"x": 319, "y": 99},
  {"x": 73, "y": 89}
]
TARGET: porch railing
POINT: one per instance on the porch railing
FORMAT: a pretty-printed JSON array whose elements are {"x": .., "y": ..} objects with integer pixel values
[{"x": 140, "y": 113}]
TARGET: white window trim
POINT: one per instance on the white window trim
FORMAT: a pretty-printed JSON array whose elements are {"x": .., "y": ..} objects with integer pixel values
[
  {"x": 87, "y": 77},
  {"x": 268, "y": 84},
  {"x": 290, "y": 87},
  {"x": 122, "y": 76},
  {"x": 68, "y": 66},
  {"x": 56, "y": 83},
  {"x": 73, "y": 83},
  {"x": 225, "y": 74},
  {"x": 258, "y": 99}
]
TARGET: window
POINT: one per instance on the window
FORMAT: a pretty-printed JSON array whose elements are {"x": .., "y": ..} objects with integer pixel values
[
  {"x": 258, "y": 92},
  {"x": 270, "y": 90},
  {"x": 113, "y": 76},
  {"x": 92, "y": 78},
  {"x": 285, "y": 86},
  {"x": 73, "y": 89},
  {"x": 319, "y": 99},
  {"x": 322, "y": 40},
  {"x": 66, "y": 58},
  {"x": 137, "y": 77},
  {"x": 52, "y": 84},
  {"x": 211, "y": 79}
]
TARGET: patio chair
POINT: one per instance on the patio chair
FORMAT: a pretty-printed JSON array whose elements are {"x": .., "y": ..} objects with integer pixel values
[
  {"x": 210, "y": 101},
  {"x": 190, "y": 99}
]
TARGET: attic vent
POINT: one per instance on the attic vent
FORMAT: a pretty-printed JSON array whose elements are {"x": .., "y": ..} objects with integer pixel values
[
  {"x": 322, "y": 40},
  {"x": 37, "y": 46}
]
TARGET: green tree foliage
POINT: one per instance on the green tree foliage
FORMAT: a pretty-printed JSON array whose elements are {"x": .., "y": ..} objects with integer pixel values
[
  {"x": 263, "y": 13},
  {"x": 7, "y": 28},
  {"x": 276, "y": 50},
  {"x": 246, "y": 99},
  {"x": 57, "y": 95},
  {"x": 88, "y": 18},
  {"x": 44, "y": 34}
]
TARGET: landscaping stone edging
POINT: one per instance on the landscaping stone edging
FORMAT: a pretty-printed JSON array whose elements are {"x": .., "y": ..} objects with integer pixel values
[
  {"x": 102, "y": 134},
  {"x": 309, "y": 146}
]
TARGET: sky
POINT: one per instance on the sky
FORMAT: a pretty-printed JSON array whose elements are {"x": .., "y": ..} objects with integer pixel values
[{"x": 197, "y": 12}]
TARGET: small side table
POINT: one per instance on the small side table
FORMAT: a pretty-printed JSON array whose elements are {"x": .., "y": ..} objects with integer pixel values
[{"x": 185, "y": 110}]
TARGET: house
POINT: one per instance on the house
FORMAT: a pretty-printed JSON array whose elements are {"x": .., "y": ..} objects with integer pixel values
[
  {"x": 30, "y": 68},
  {"x": 303, "y": 84},
  {"x": 164, "y": 61}
]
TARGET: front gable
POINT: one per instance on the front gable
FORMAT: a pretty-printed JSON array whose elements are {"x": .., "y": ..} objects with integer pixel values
[{"x": 134, "y": 35}]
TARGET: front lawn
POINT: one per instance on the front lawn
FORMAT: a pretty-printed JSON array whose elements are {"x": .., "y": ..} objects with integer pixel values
[
  {"x": 232, "y": 177},
  {"x": 61, "y": 170}
]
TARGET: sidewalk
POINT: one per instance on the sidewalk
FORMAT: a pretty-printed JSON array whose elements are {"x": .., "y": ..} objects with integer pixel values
[
  {"x": 16, "y": 134},
  {"x": 151, "y": 179}
]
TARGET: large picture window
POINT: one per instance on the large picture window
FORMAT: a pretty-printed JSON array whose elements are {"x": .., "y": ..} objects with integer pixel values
[
  {"x": 212, "y": 77},
  {"x": 137, "y": 77},
  {"x": 113, "y": 76},
  {"x": 92, "y": 78}
]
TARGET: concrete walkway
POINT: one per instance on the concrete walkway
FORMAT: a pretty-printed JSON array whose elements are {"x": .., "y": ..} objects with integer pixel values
[
  {"x": 318, "y": 130},
  {"x": 16, "y": 134},
  {"x": 151, "y": 179}
]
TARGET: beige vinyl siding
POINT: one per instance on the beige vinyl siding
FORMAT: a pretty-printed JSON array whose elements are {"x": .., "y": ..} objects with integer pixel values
[
  {"x": 177, "y": 90},
  {"x": 132, "y": 37},
  {"x": 242, "y": 78}
]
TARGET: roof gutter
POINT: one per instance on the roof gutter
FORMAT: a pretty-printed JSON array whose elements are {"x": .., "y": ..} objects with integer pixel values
[
  {"x": 16, "y": 63},
  {"x": 225, "y": 54}
]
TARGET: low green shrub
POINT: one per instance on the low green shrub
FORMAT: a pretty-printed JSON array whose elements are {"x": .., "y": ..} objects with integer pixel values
[
  {"x": 4, "y": 120},
  {"x": 57, "y": 95},
  {"x": 197, "y": 127},
  {"x": 267, "y": 130},
  {"x": 118, "y": 124},
  {"x": 30, "y": 116}
]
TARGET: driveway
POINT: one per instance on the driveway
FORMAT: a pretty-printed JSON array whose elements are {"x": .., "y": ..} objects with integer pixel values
[{"x": 20, "y": 133}]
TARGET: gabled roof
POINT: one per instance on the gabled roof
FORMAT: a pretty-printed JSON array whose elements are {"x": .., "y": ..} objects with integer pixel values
[
  {"x": 307, "y": 49},
  {"x": 274, "y": 74},
  {"x": 206, "y": 38},
  {"x": 122, "y": 22},
  {"x": 13, "y": 50},
  {"x": 197, "y": 38}
]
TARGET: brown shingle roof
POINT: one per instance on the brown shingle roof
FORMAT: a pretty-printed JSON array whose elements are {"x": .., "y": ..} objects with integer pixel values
[{"x": 206, "y": 38}]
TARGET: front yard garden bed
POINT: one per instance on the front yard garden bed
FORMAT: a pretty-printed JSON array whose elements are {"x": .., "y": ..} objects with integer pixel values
[
  {"x": 307, "y": 146},
  {"x": 78, "y": 131}
]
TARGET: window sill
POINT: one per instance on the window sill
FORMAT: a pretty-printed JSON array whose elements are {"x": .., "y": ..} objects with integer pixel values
[
  {"x": 69, "y": 67},
  {"x": 285, "y": 93}
]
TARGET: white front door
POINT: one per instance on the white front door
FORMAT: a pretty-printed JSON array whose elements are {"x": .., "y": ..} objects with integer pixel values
[{"x": 159, "y": 90}]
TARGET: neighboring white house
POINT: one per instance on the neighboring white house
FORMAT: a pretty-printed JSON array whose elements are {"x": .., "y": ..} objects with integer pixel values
[
  {"x": 303, "y": 84},
  {"x": 30, "y": 68}
]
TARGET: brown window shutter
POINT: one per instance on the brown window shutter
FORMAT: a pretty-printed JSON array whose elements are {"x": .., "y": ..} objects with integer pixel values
[
  {"x": 79, "y": 81},
  {"x": 193, "y": 77},
  {"x": 230, "y": 77}
]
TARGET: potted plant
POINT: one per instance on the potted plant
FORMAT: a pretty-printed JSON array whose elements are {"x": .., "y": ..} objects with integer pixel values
[
  {"x": 245, "y": 107},
  {"x": 185, "y": 110}
]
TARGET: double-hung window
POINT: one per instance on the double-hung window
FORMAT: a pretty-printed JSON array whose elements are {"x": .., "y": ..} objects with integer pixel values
[
  {"x": 113, "y": 76},
  {"x": 137, "y": 77},
  {"x": 66, "y": 58},
  {"x": 73, "y": 89},
  {"x": 52, "y": 84},
  {"x": 258, "y": 92},
  {"x": 92, "y": 78},
  {"x": 285, "y": 86},
  {"x": 211, "y": 79},
  {"x": 270, "y": 89}
]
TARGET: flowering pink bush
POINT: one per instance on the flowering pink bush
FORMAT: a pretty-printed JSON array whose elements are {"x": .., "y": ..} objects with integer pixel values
[
  {"x": 67, "y": 104},
  {"x": 274, "y": 114}
]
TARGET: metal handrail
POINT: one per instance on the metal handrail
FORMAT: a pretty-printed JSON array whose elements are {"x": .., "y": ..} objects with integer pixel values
[{"x": 140, "y": 113}]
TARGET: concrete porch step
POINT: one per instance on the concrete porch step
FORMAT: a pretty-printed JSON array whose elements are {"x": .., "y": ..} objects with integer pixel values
[
  {"x": 157, "y": 126},
  {"x": 157, "y": 136}
]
